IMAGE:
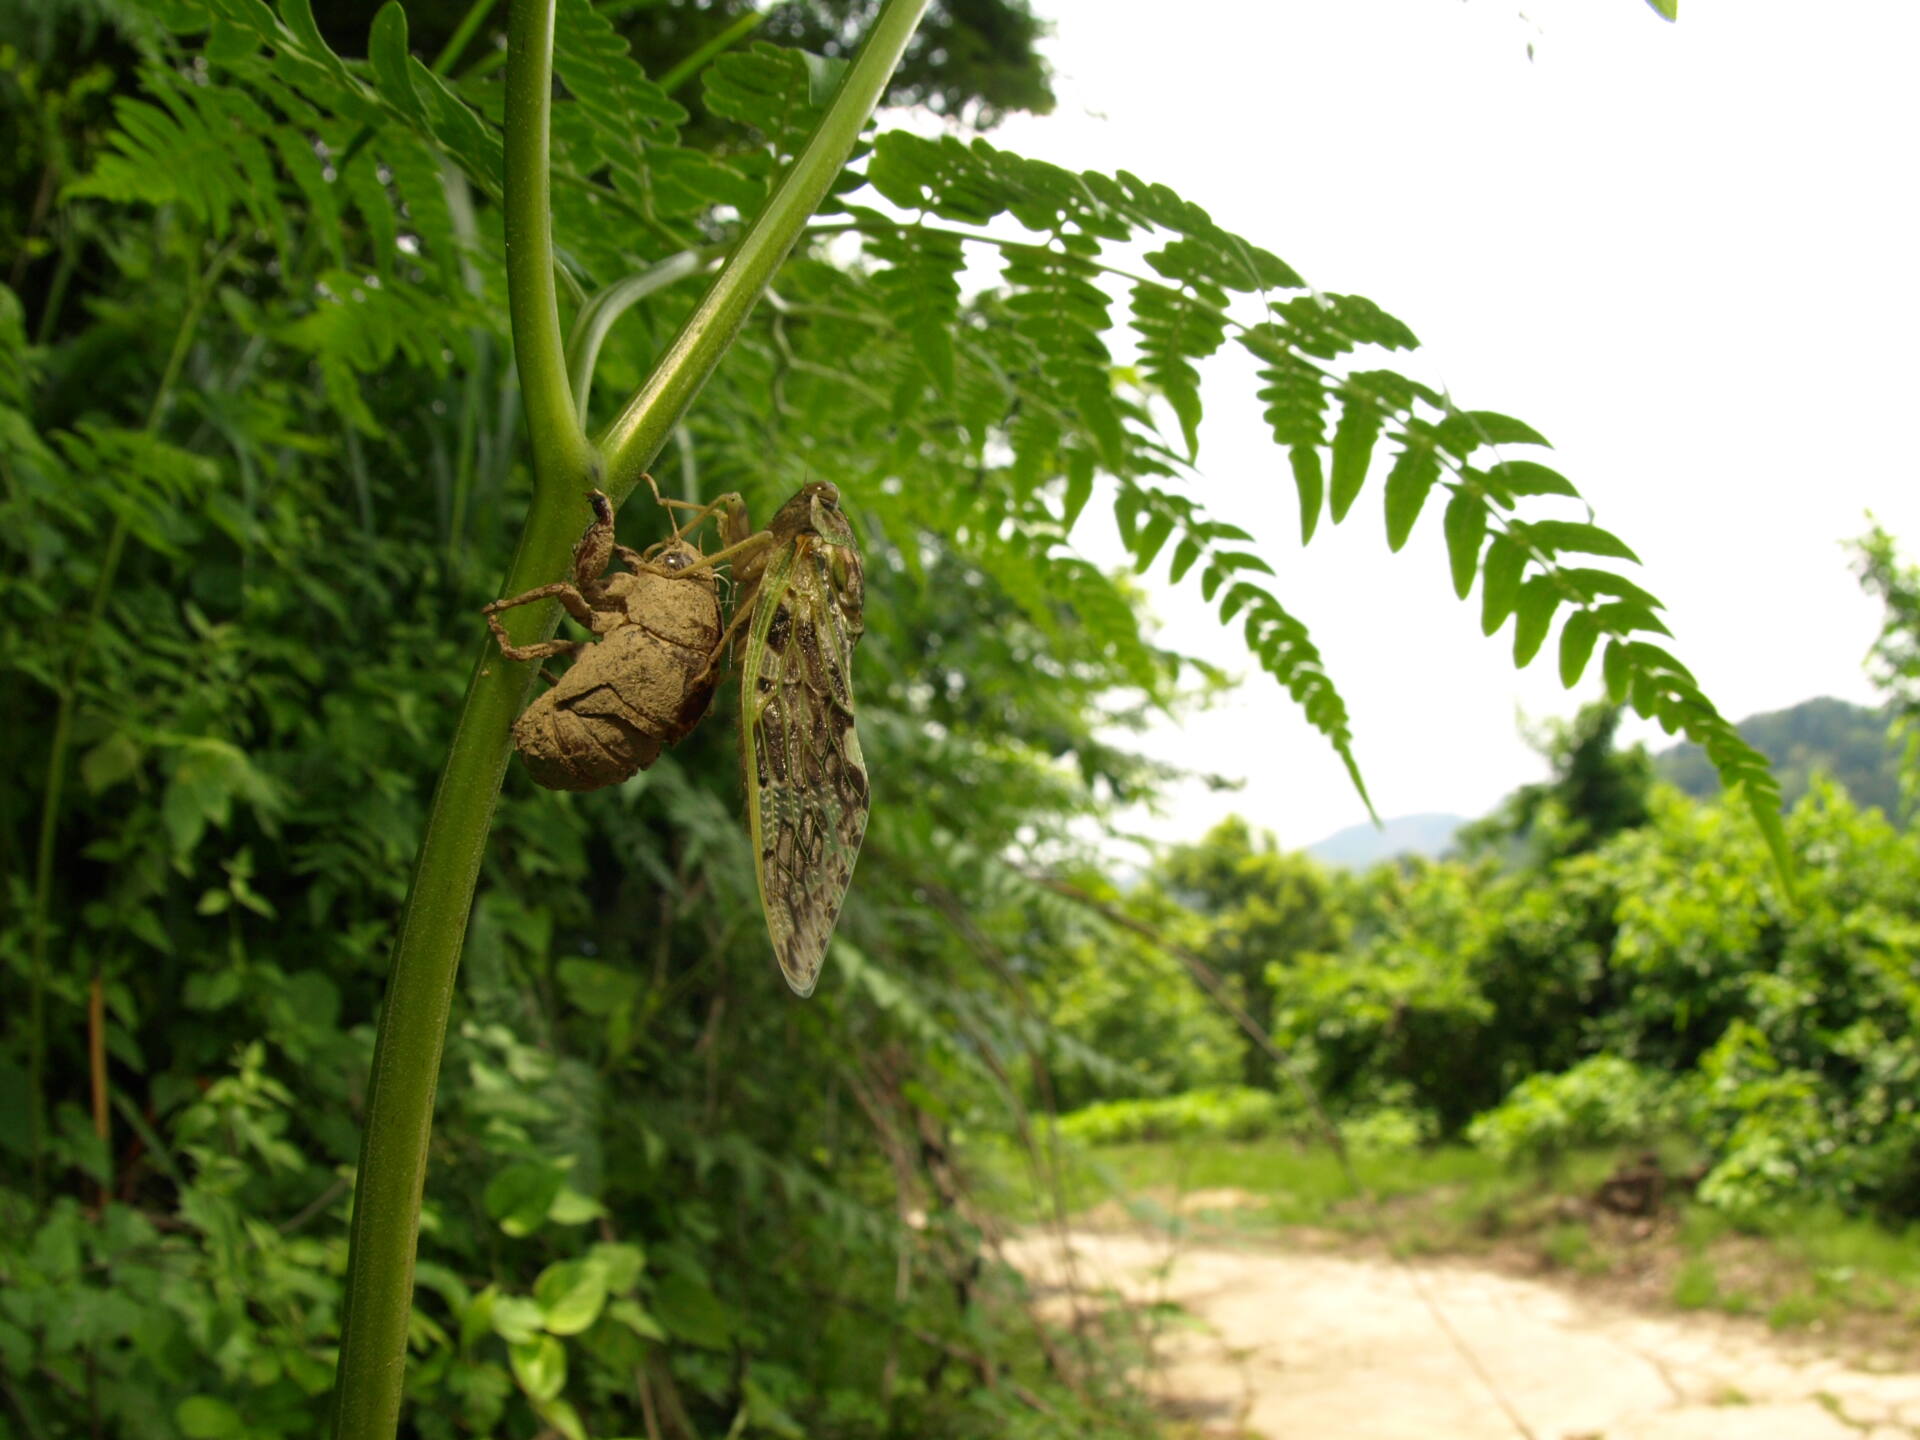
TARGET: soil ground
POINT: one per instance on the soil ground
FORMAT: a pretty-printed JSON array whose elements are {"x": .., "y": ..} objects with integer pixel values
[{"x": 1286, "y": 1339}]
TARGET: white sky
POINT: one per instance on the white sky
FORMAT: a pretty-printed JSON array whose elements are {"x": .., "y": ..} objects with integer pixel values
[{"x": 1684, "y": 253}]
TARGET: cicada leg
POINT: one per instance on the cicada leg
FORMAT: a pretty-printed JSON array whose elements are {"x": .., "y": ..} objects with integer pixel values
[{"x": 571, "y": 600}]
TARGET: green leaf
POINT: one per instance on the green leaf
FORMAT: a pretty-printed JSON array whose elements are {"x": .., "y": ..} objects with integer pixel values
[
  {"x": 768, "y": 87},
  {"x": 520, "y": 1195},
  {"x": 514, "y": 1318},
  {"x": 1176, "y": 330},
  {"x": 1665, "y": 9},
  {"x": 387, "y": 50},
  {"x": 1184, "y": 556},
  {"x": 691, "y": 1313},
  {"x": 1556, "y": 536},
  {"x": 206, "y": 1417},
  {"x": 1147, "y": 546},
  {"x": 1500, "y": 583},
  {"x": 1594, "y": 583},
  {"x": 1619, "y": 617},
  {"x": 570, "y": 1295},
  {"x": 1528, "y": 477},
  {"x": 1490, "y": 428},
  {"x": 1534, "y": 617},
  {"x": 1413, "y": 475},
  {"x": 540, "y": 1366},
  {"x": 632, "y": 1315},
  {"x": 1617, "y": 666},
  {"x": 1353, "y": 441},
  {"x": 1466, "y": 527},
  {"x": 620, "y": 1262},
  {"x": 113, "y": 760},
  {"x": 1577, "y": 638},
  {"x": 1308, "y": 480},
  {"x": 1079, "y": 489}
]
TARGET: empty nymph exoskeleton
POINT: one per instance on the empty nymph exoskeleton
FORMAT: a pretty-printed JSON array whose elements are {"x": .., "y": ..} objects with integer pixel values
[{"x": 646, "y": 679}]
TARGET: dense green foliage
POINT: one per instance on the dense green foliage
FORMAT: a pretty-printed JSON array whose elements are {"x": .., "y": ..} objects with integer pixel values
[
  {"x": 259, "y": 431},
  {"x": 1652, "y": 984}
]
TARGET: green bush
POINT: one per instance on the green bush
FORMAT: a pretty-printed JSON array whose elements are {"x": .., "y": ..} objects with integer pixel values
[
  {"x": 1224, "y": 1112},
  {"x": 1603, "y": 1100}
]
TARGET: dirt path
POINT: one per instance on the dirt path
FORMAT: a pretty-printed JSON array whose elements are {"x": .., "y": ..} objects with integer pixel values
[{"x": 1289, "y": 1345}]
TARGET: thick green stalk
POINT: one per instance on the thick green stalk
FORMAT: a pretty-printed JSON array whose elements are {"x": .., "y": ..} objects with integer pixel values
[
  {"x": 636, "y": 435},
  {"x": 369, "y": 1384},
  {"x": 413, "y": 1023}
]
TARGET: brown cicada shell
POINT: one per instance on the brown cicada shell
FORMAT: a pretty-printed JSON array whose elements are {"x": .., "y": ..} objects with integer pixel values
[{"x": 646, "y": 679}]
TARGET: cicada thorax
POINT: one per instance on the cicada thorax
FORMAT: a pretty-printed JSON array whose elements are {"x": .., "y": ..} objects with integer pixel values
[{"x": 643, "y": 685}]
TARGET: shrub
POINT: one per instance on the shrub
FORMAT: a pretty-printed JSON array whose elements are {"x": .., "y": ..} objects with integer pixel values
[
  {"x": 1603, "y": 1100},
  {"x": 1222, "y": 1112}
]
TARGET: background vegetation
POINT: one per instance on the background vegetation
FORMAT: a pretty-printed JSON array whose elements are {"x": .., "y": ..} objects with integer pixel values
[{"x": 260, "y": 439}]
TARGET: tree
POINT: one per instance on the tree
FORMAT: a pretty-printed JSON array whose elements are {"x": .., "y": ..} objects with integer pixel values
[
  {"x": 1259, "y": 911},
  {"x": 1594, "y": 792},
  {"x": 1895, "y": 657},
  {"x": 259, "y": 484}
]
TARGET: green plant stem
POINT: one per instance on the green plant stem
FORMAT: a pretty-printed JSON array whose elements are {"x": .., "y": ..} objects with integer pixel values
[
  {"x": 635, "y": 437},
  {"x": 369, "y": 1383},
  {"x": 696, "y": 62},
  {"x": 462, "y": 36},
  {"x": 54, "y": 789},
  {"x": 595, "y": 319}
]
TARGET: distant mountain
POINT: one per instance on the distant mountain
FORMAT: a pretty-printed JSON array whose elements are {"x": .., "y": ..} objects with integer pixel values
[
  {"x": 1359, "y": 846},
  {"x": 1848, "y": 741}
]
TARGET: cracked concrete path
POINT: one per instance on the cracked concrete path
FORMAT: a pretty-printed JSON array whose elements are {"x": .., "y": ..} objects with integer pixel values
[{"x": 1290, "y": 1344}]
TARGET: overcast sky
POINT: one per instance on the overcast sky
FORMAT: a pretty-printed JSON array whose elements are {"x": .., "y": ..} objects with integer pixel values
[{"x": 1684, "y": 253}]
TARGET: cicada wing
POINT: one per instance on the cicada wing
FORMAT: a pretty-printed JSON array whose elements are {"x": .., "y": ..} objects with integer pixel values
[{"x": 806, "y": 777}]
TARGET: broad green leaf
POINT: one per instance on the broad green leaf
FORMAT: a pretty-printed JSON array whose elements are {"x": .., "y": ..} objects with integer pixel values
[
  {"x": 387, "y": 50},
  {"x": 113, "y": 760},
  {"x": 520, "y": 1196},
  {"x": 1500, "y": 583},
  {"x": 1495, "y": 429},
  {"x": 1617, "y": 666},
  {"x": 1594, "y": 583},
  {"x": 691, "y": 1313},
  {"x": 540, "y": 1366},
  {"x": 515, "y": 1318},
  {"x": 1307, "y": 479},
  {"x": 620, "y": 1262},
  {"x": 1409, "y": 482},
  {"x": 1466, "y": 526},
  {"x": 1618, "y": 617},
  {"x": 1533, "y": 617},
  {"x": 1184, "y": 556},
  {"x": 1556, "y": 536},
  {"x": 1666, "y": 9},
  {"x": 207, "y": 1417},
  {"x": 561, "y": 1416},
  {"x": 1353, "y": 441},
  {"x": 1528, "y": 477},
  {"x": 1079, "y": 490},
  {"x": 570, "y": 1295},
  {"x": 1577, "y": 638},
  {"x": 1652, "y": 658},
  {"x": 631, "y": 1314},
  {"x": 1147, "y": 547}
]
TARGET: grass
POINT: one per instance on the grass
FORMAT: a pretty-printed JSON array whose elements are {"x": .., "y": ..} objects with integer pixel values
[{"x": 1799, "y": 1269}]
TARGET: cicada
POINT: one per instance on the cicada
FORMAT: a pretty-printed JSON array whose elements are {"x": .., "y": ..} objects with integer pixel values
[{"x": 797, "y": 617}]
